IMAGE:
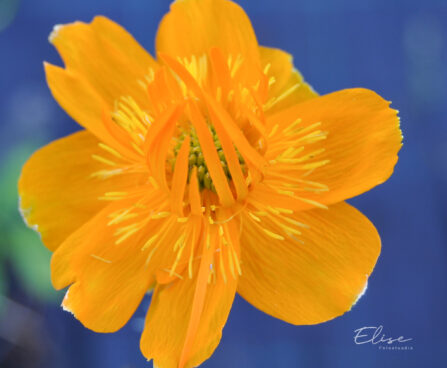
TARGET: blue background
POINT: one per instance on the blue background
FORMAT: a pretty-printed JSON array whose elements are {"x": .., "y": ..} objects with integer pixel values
[{"x": 397, "y": 48}]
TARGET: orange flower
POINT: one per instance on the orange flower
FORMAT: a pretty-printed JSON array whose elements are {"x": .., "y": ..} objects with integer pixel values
[{"x": 212, "y": 170}]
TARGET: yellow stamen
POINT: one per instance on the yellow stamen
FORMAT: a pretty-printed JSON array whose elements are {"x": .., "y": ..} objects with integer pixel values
[
  {"x": 104, "y": 160},
  {"x": 110, "y": 150},
  {"x": 273, "y": 235},
  {"x": 150, "y": 242},
  {"x": 160, "y": 215},
  {"x": 100, "y": 258}
]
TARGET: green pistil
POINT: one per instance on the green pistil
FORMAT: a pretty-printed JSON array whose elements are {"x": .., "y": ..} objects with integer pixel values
[{"x": 196, "y": 158}]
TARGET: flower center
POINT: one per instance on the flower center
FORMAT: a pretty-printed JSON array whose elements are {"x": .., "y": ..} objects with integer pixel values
[{"x": 196, "y": 158}]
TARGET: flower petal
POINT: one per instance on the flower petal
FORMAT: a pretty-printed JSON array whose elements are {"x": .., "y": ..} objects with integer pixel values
[
  {"x": 109, "y": 261},
  {"x": 106, "y": 56},
  {"x": 193, "y": 27},
  {"x": 315, "y": 278},
  {"x": 57, "y": 182},
  {"x": 109, "y": 280},
  {"x": 363, "y": 139},
  {"x": 186, "y": 317},
  {"x": 287, "y": 80},
  {"x": 77, "y": 97}
]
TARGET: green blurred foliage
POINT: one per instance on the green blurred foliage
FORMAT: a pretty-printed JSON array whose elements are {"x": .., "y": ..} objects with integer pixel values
[{"x": 8, "y": 10}]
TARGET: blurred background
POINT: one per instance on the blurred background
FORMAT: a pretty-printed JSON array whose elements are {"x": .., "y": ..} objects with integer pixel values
[{"x": 397, "y": 48}]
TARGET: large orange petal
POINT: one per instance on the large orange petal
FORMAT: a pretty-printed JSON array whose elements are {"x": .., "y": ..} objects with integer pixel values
[
  {"x": 363, "y": 139},
  {"x": 105, "y": 55},
  {"x": 193, "y": 27},
  {"x": 57, "y": 191},
  {"x": 77, "y": 97},
  {"x": 109, "y": 279},
  {"x": 312, "y": 277},
  {"x": 186, "y": 317},
  {"x": 167, "y": 322},
  {"x": 286, "y": 78},
  {"x": 112, "y": 260}
]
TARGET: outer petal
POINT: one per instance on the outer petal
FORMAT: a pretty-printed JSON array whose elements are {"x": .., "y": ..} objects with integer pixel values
[
  {"x": 286, "y": 78},
  {"x": 362, "y": 142},
  {"x": 109, "y": 280},
  {"x": 167, "y": 322},
  {"x": 192, "y": 27},
  {"x": 78, "y": 98},
  {"x": 313, "y": 279},
  {"x": 186, "y": 317},
  {"x": 56, "y": 183},
  {"x": 103, "y": 62},
  {"x": 106, "y": 56},
  {"x": 112, "y": 260}
]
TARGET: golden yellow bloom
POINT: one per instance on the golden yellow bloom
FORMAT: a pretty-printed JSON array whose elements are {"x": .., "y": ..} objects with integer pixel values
[{"x": 212, "y": 170}]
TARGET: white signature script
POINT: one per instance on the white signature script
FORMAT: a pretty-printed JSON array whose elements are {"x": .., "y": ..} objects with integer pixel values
[{"x": 374, "y": 335}]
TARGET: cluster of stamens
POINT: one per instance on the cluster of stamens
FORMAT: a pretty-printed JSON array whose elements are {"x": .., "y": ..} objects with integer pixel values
[{"x": 197, "y": 159}]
